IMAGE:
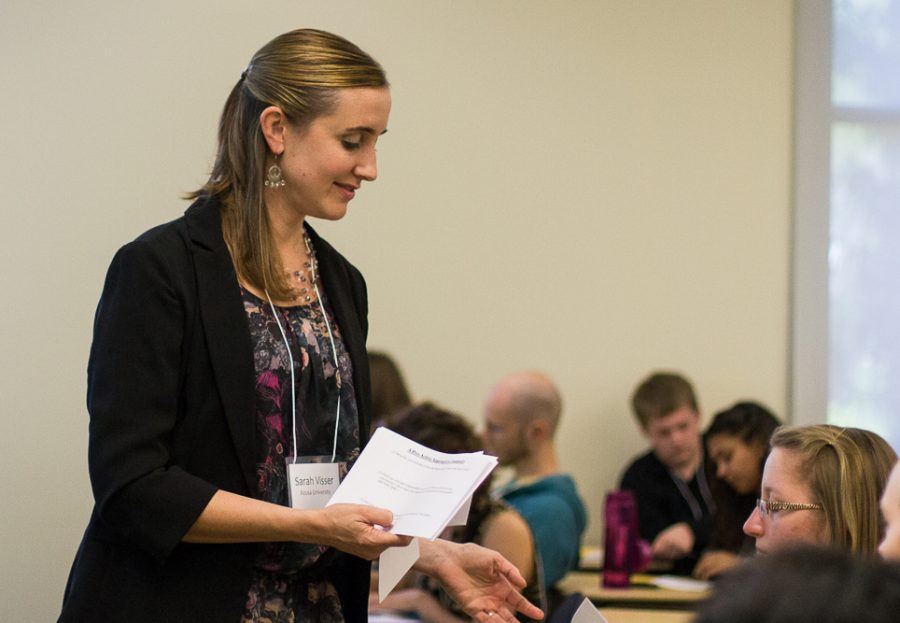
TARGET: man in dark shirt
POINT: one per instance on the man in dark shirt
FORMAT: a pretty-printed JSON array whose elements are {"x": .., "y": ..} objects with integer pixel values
[{"x": 670, "y": 482}]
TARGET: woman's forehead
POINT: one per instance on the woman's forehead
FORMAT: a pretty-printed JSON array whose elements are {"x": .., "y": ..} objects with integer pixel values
[{"x": 782, "y": 471}]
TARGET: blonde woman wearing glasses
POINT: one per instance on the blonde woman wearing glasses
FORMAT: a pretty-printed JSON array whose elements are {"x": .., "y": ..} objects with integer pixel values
[
  {"x": 821, "y": 485},
  {"x": 890, "y": 508}
]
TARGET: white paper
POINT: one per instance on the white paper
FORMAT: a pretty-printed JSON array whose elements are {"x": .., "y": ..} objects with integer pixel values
[
  {"x": 677, "y": 583},
  {"x": 588, "y": 613},
  {"x": 393, "y": 564},
  {"x": 462, "y": 515},
  {"x": 423, "y": 488}
]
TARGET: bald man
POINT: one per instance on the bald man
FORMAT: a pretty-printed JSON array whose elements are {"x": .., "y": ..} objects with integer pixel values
[{"x": 521, "y": 416}]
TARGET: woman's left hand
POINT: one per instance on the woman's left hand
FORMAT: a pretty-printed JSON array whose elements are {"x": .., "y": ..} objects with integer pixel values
[{"x": 480, "y": 580}]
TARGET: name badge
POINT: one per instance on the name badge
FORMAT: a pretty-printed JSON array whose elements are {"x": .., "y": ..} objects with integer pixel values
[{"x": 311, "y": 485}]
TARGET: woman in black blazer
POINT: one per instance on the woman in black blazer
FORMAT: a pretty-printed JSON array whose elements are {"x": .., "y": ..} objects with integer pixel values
[{"x": 230, "y": 342}]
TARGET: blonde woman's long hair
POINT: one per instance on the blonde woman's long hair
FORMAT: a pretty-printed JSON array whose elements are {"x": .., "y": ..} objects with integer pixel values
[
  {"x": 846, "y": 470},
  {"x": 300, "y": 72}
]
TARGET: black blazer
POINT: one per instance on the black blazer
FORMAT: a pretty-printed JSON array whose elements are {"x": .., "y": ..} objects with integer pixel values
[{"x": 170, "y": 397}]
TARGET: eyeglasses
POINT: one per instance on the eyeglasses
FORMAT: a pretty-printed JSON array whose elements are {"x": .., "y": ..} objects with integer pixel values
[{"x": 768, "y": 506}]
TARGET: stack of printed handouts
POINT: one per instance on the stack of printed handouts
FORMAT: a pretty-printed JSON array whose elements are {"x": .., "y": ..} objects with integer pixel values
[{"x": 426, "y": 490}]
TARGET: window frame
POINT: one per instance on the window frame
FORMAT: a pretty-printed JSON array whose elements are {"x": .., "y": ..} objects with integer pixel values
[{"x": 809, "y": 388}]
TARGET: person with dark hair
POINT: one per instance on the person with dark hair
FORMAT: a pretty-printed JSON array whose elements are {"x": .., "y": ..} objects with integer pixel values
[
  {"x": 806, "y": 585},
  {"x": 492, "y": 524},
  {"x": 228, "y": 352},
  {"x": 671, "y": 482},
  {"x": 737, "y": 441},
  {"x": 389, "y": 392}
]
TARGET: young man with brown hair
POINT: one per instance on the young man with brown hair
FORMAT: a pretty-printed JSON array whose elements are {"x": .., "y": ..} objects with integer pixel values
[{"x": 671, "y": 481}]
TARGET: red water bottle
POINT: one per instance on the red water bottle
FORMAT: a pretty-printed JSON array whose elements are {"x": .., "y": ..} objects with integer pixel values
[{"x": 621, "y": 543}]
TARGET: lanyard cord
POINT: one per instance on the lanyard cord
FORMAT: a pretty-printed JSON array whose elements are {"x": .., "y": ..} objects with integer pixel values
[
  {"x": 337, "y": 369},
  {"x": 689, "y": 496},
  {"x": 704, "y": 487}
]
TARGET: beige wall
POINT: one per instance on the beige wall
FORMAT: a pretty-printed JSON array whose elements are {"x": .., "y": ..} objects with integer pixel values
[{"x": 595, "y": 188}]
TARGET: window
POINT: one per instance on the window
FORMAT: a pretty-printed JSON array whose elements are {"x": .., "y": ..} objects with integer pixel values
[{"x": 846, "y": 311}]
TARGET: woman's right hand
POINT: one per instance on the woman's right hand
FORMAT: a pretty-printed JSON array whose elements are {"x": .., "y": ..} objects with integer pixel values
[
  {"x": 359, "y": 530},
  {"x": 713, "y": 563},
  {"x": 352, "y": 528},
  {"x": 674, "y": 542}
]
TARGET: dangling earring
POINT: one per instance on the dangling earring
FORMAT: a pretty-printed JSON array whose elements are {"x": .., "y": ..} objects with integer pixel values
[{"x": 273, "y": 175}]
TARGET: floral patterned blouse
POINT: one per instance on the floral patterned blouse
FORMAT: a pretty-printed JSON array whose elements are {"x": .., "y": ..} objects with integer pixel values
[{"x": 291, "y": 580}]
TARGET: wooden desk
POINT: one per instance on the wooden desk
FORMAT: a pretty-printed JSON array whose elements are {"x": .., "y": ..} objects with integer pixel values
[
  {"x": 634, "y": 615},
  {"x": 646, "y": 597},
  {"x": 591, "y": 559}
]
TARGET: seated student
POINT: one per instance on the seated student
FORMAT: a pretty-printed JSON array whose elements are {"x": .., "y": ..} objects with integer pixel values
[
  {"x": 521, "y": 416},
  {"x": 821, "y": 485},
  {"x": 890, "y": 510},
  {"x": 389, "y": 392},
  {"x": 671, "y": 481},
  {"x": 806, "y": 585},
  {"x": 737, "y": 442},
  {"x": 492, "y": 524}
]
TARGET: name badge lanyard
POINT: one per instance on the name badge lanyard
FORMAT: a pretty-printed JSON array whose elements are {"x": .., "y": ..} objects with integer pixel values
[
  {"x": 337, "y": 369},
  {"x": 688, "y": 495}
]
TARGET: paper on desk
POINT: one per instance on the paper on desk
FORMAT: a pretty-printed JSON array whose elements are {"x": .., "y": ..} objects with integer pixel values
[
  {"x": 393, "y": 564},
  {"x": 677, "y": 583},
  {"x": 587, "y": 613},
  {"x": 423, "y": 488}
]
